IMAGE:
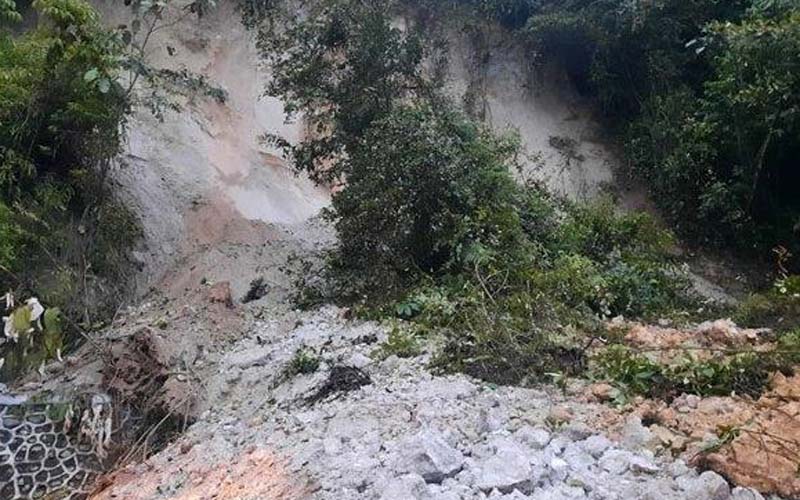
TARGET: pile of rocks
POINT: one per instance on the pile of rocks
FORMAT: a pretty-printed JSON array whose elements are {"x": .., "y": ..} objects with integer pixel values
[
  {"x": 533, "y": 463},
  {"x": 408, "y": 434}
]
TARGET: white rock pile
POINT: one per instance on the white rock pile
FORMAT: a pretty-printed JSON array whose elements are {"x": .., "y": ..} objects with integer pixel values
[{"x": 410, "y": 434}]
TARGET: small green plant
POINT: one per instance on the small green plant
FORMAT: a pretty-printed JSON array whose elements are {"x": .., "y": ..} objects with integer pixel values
[
  {"x": 635, "y": 373},
  {"x": 401, "y": 342},
  {"x": 778, "y": 307},
  {"x": 725, "y": 435},
  {"x": 34, "y": 335},
  {"x": 303, "y": 362},
  {"x": 741, "y": 372},
  {"x": 408, "y": 309}
]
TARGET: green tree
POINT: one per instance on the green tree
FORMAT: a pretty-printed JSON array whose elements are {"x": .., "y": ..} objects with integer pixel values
[
  {"x": 62, "y": 118},
  {"x": 753, "y": 100},
  {"x": 343, "y": 66},
  {"x": 425, "y": 188}
]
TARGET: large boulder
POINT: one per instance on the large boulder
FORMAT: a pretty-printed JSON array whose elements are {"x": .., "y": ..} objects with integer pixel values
[{"x": 431, "y": 456}]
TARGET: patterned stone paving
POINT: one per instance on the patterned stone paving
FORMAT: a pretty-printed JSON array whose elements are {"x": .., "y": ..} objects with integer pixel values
[{"x": 38, "y": 458}]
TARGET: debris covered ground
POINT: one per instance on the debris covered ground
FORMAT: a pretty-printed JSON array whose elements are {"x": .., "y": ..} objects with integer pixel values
[{"x": 402, "y": 433}]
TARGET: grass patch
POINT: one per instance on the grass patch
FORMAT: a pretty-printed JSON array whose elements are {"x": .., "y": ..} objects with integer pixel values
[
  {"x": 303, "y": 362},
  {"x": 402, "y": 342}
]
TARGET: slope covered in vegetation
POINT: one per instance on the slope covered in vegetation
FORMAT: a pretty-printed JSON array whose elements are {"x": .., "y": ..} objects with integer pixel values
[
  {"x": 704, "y": 95},
  {"x": 432, "y": 227}
]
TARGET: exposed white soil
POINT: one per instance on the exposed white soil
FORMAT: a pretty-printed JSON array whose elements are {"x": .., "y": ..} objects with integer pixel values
[{"x": 562, "y": 142}]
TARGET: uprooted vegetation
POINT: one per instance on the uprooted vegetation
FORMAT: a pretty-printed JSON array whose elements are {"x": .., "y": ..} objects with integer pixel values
[{"x": 714, "y": 359}]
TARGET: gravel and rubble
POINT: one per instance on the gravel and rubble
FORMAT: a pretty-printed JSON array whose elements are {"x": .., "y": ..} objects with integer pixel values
[{"x": 407, "y": 434}]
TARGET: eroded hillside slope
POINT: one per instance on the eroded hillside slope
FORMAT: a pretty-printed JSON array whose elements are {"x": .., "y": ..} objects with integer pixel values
[{"x": 220, "y": 210}]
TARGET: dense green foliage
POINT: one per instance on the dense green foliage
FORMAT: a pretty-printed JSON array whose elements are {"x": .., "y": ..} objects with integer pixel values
[
  {"x": 62, "y": 116},
  {"x": 706, "y": 95},
  {"x": 432, "y": 227},
  {"x": 426, "y": 192}
]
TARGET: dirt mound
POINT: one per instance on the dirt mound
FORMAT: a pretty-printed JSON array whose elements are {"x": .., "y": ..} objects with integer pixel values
[
  {"x": 765, "y": 451},
  {"x": 666, "y": 345},
  {"x": 256, "y": 474}
]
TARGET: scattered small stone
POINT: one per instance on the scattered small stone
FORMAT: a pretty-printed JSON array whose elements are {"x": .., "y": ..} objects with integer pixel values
[
  {"x": 359, "y": 360},
  {"x": 577, "y": 431},
  {"x": 641, "y": 464},
  {"x": 186, "y": 447},
  {"x": 559, "y": 468},
  {"x": 559, "y": 415},
  {"x": 746, "y": 494},
  {"x": 577, "y": 457},
  {"x": 508, "y": 469},
  {"x": 220, "y": 293},
  {"x": 492, "y": 420},
  {"x": 615, "y": 461},
  {"x": 233, "y": 375},
  {"x": 679, "y": 468},
  {"x": 636, "y": 436},
  {"x": 561, "y": 492},
  {"x": 668, "y": 438},
  {"x": 603, "y": 392},
  {"x": 708, "y": 486}
]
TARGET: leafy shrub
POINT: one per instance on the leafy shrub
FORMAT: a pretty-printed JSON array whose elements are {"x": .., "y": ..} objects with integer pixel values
[
  {"x": 424, "y": 190},
  {"x": 401, "y": 342},
  {"x": 302, "y": 363},
  {"x": 432, "y": 227}
]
